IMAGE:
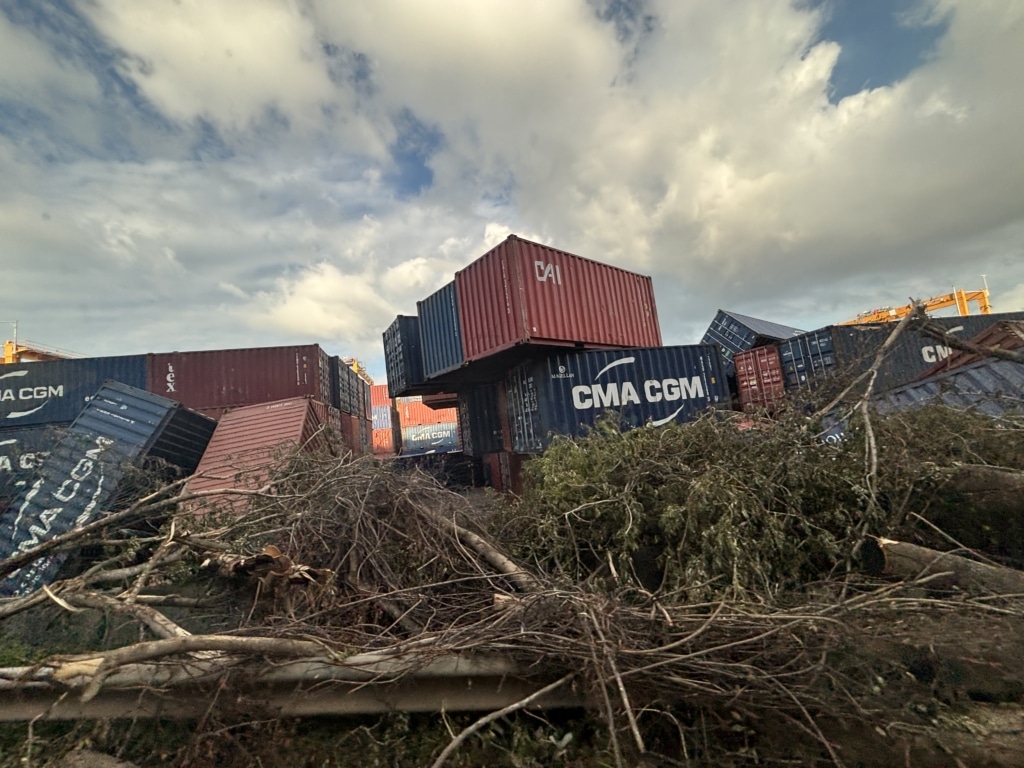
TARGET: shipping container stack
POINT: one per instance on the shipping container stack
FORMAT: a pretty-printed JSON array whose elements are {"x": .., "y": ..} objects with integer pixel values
[{"x": 529, "y": 341}]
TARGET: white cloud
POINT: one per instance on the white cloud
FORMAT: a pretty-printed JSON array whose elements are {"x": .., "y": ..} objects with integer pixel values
[{"x": 706, "y": 153}]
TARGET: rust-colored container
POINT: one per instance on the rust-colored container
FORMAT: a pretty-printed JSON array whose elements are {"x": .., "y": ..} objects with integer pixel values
[
  {"x": 759, "y": 378},
  {"x": 415, "y": 414},
  {"x": 383, "y": 442},
  {"x": 248, "y": 442},
  {"x": 351, "y": 432},
  {"x": 379, "y": 395},
  {"x": 227, "y": 378},
  {"x": 522, "y": 292}
]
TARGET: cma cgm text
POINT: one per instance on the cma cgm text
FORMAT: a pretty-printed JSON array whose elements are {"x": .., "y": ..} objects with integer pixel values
[
  {"x": 587, "y": 396},
  {"x": 31, "y": 393}
]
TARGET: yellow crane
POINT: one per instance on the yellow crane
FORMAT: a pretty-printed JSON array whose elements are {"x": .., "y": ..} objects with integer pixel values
[{"x": 959, "y": 298}]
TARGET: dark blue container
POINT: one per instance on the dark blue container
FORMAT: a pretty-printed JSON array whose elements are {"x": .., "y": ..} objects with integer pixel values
[
  {"x": 22, "y": 452},
  {"x": 734, "y": 333},
  {"x": 480, "y": 419},
  {"x": 90, "y": 470},
  {"x": 993, "y": 387},
  {"x": 430, "y": 438},
  {"x": 440, "y": 333},
  {"x": 564, "y": 394},
  {"x": 53, "y": 392},
  {"x": 850, "y": 349},
  {"x": 403, "y": 358}
]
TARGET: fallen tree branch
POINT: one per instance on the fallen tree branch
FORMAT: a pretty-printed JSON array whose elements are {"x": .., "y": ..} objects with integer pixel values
[{"x": 909, "y": 562}]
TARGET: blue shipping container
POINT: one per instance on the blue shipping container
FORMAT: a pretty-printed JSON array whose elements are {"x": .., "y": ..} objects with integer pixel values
[
  {"x": 565, "y": 393},
  {"x": 440, "y": 333},
  {"x": 430, "y": 438},
  {"x": 735, "y": 333},
  {"x": 403, "y": 358},
  {"x": 480, "y": 419},
  {"x": 850, "y": 349},
  {"x": 382, "y": 417},
  {"x": 53, "y": 392},
  {"x": 87, "y": 473},
  {"x": 22, "y": 452}
]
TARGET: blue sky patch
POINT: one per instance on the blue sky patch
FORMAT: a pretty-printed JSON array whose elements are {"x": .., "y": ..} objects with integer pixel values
[
  {"x": 411, "y": 151},
  {"x": 882, "y": 41}
]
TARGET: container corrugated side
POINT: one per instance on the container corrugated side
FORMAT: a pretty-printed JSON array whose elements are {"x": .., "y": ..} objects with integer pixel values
[
  {"x": 991, "y": 386},
  {"x": 382, "y": 417},
  {"x": 251, "y": 439},
  {"x": 523, "y": 292},
  {"x": 480, "y": 419},
  {"x": 403, "y": 357},
  {"x": 379, "y": 395},
  {"x": 759, "y": 378},
  {"x": 412, "y": 414},
  {"x": 440, "y": 332},
  {"x": 22, "y": 452},
  {"x": 850, "y": 349},
  {"x": 564, "y": 394},
  {"x": 55, "y": 391},
  {"x": 230, "y": 378},
  {"x": 88, "y": 471},
  {"x": 430, "y": 438},
  {"x": 383, "y": 442}
]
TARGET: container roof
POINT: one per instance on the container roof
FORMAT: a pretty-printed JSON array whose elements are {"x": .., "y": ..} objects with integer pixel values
[
  {"x": 764, "y": 327},
  {"x": 246, "y": 444}
]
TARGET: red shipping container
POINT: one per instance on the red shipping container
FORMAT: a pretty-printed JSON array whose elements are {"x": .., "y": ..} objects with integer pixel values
[
  {"x": 759, "y": 378},
  {"x": 525, "y": 293},
  {"x": 379, "y": 395},
  {"x": 248, "y": 442},
  {"x": 351, "y": 433},
  {"x": 416, "y": 414},
  {"x": 227, "y": 378},
  {"x": 383, "y": 442},
  {"x": 506, "y": 471}
]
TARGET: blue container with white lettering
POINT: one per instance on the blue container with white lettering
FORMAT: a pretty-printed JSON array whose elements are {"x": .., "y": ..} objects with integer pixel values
[
  {"x": 430, "y": 438},
  {"x": 91, "y": 469},
  {"x": 847, "y": 350},
  {"x": 22, "y": 452},
  {"x": 54, "y": 391},
  {"x": 564, "y": 394}
]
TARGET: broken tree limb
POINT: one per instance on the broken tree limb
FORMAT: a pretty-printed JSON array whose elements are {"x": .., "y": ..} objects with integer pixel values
[{"x": 909, "y": 562}]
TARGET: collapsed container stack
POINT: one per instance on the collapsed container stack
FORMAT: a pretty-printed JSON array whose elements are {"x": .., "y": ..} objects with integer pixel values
[
  {"x": 530, "y": 341},
  {"x": 39, "y": 400}
]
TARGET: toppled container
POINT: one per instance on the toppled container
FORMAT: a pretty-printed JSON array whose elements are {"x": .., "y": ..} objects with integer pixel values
[
  {"x": 564, "y": 394},
  {"x": 91, "y": 469},
  {"x": 522, "y": 292},
  {"x": 22, "y": 452},
  {"x": 759, "y": 379},
  {"x": 55, "y": 391},
  {"x": 216, "y": 380},
  {"x": 440, "y": 333},
  {"x": 249, "y": 441},
  {"x": 850, "y": 349},
  {"x": 735, "y": 333},
  {"x": 990, "y": 386},
  {"x": 1006, "y": 335}
]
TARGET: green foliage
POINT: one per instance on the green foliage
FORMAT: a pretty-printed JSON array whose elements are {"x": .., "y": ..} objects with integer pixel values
[
  {"x": 726, "y": 506},
  {"x": 714, "y": 504}
]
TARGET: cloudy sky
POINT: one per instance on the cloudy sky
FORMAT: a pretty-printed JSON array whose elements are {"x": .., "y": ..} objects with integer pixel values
[{"x": 198, "y": 174}]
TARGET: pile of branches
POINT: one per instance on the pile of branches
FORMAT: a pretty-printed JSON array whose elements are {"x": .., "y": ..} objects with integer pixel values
[{"x": 725, "y": 592}]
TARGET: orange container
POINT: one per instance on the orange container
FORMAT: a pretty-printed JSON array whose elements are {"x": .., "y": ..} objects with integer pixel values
[{"x": 383, "y": 442}]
